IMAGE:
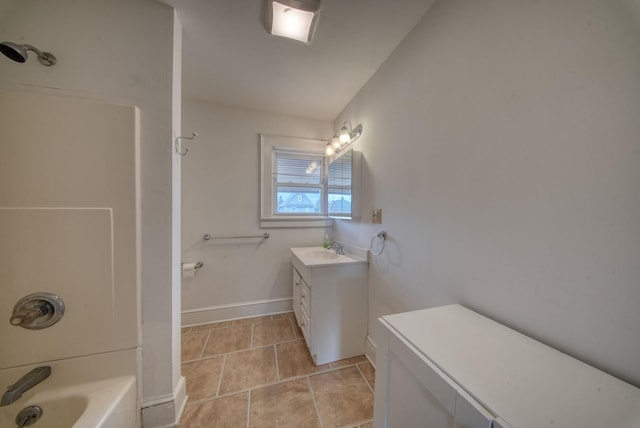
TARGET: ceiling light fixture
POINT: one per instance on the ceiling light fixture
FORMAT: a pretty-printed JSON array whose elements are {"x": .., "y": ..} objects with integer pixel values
[
  {"x": 294, "y": 19},
  {"x": 342, "y": 139}
]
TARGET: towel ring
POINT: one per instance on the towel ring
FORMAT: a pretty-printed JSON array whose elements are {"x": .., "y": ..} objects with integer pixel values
[{"x": 382, "y": 236}]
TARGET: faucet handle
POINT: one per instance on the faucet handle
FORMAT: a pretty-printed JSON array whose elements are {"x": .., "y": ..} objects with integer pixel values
[{"x": 27, "y": 316}]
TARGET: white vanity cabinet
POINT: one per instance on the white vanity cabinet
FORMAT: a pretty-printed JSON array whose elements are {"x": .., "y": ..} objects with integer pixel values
[
  {"x": 330, "y": 305},
  {"x": 450, "y": 367}
]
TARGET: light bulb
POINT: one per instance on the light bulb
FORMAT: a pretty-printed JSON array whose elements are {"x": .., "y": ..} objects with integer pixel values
[
  {"x": 329, "y": 150},
  {"x": 344, "y": 135},
  {"x": 291, "y": 23},
  {"x": 335, "y": 142}
]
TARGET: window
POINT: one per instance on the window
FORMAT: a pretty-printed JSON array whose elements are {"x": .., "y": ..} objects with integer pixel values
[
  {"x": 298, "y": 186},
  {"x": 293, "y": 184}
]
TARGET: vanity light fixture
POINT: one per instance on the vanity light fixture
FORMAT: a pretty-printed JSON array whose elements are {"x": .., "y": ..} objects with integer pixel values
[
  {"x": 294, "y": 19},
  {"x": 342, "y": 139},
  {"x": 313, "y": 167}
]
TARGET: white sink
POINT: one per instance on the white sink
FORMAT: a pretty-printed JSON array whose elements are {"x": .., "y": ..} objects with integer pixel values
[
  {"x": 321, "y": 254},
  {"x": 318, "y": 256}
]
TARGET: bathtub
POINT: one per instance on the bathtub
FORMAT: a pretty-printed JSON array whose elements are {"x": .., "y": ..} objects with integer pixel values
[{"x": 84, "y": 392}]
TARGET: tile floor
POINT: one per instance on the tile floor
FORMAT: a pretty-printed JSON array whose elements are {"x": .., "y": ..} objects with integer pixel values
[{"x": 257, "y": 372}]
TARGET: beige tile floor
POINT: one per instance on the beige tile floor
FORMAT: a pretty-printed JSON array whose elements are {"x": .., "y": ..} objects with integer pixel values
[{"x": 257, "y": 372}]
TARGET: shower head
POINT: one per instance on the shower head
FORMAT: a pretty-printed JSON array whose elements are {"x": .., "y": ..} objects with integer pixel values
[{"x": 18, "y": 53}]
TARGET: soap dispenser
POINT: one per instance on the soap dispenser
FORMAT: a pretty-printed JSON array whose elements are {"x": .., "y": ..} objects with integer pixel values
[{"x": 326, "y": 243}]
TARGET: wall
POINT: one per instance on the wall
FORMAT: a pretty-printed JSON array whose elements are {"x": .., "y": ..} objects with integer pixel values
[
  {"x": 122, "y": 52},
  {"x": 220, "y": 196},
  {"x": 502, "y": 140}
]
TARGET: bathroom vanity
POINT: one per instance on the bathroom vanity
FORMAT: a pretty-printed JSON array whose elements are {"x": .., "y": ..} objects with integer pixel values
[
  {"x": 452, "y": 367},
  {"x": 330, "y": 302}
]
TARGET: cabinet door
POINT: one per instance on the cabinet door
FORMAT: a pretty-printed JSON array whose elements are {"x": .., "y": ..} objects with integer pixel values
[
  {"x": 297, "y": 280},
  {"x": 416, "y": 393}
]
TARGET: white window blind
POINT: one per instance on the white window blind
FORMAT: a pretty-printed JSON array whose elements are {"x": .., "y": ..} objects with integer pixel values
[
  {"x": 339, "y": 187},
  {"x": 298, "y": 183}
]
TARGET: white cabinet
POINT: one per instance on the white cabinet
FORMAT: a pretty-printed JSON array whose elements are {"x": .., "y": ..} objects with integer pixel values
[
  {"x": 330, "y": 305},
  {"x": 450, "y": 367},
  {"x": 412, "y": 392}
]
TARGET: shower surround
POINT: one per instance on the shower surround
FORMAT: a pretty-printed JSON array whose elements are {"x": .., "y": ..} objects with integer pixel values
[{"x": 68, "y": 225}]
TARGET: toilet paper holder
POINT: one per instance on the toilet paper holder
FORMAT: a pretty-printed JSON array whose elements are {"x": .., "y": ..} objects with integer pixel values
[{"x": 196, "y": 267}]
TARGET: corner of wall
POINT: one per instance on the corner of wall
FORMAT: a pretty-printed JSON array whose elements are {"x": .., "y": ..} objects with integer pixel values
[{"x": 166, "y": 412}]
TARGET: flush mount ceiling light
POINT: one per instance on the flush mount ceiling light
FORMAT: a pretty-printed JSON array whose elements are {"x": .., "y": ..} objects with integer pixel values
[
  {"x": 342, "y": 139},
  {"x": 294, "y": 19}
]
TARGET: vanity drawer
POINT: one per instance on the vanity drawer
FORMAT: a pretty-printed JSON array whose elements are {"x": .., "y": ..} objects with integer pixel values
[
  {"x": 305, "y": 325},
  {"x": 305, "y": 296},
  {"x": 297, "y": 280}
]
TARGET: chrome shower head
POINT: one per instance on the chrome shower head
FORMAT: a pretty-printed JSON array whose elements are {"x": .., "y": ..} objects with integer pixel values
[{"x": 18, "y": 53}]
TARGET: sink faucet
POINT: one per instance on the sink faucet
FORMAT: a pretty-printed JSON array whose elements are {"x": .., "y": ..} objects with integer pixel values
[
  {"x": 338, "y": 247},
  {"x": 26, "y": 382}
]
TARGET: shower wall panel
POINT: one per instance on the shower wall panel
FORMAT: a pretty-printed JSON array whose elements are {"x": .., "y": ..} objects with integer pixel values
[{"x": 68, "y": 224}]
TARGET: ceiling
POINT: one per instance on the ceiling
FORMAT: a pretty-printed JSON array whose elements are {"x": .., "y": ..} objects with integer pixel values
[{"x": 230, "y": 59}]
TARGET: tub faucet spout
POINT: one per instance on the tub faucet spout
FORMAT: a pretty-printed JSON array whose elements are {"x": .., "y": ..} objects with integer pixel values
[{"x": 26, "y": 382}]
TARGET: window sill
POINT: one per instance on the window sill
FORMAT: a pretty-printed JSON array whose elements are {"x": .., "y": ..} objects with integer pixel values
[{"x": 295, "y": 222}]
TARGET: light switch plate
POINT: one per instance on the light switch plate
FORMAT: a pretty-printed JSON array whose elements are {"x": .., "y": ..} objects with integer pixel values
[{"x": 376, "y": 216}]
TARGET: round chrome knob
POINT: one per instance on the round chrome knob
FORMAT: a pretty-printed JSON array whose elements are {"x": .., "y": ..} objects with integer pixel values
[{"x": 37, "y": 311}]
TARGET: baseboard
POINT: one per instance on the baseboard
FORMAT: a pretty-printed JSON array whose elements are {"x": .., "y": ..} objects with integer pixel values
[
  {"x": 235, "y": 310},
  {"x": 165, "y": 411},
  {"x": 181, "y": 397},
  {"x": 370, "y": 350}
]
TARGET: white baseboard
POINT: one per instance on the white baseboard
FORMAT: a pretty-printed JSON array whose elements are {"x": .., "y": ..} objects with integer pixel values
[
  {"x": 370, "y": 350},
  {"x": 181, "y": 397},
  {"x": 166, "y": 411},
  {"x": 235, "y": 310}
]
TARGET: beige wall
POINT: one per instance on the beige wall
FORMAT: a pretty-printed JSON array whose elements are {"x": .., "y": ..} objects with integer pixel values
[
  {"x": 220, "y": 196},
  {"x": 502, "y": 141}
]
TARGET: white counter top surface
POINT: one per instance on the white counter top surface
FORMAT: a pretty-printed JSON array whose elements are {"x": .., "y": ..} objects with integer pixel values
[
  {"x": 319, "y": 256},
  {"x": 528, "y": 384}
]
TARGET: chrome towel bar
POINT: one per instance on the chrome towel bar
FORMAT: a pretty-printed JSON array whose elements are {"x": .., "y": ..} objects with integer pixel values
[{"x": 208, "y": 237}]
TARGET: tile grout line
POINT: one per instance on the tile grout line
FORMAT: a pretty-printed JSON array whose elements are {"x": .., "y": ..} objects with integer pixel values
[
  {"x": 251, "y": 342},
  {"x": 248, "y": 409},
  {"x": 275, "y": 351},
  {"x": 315, "y": 403},
  {"x": 224, "y": 362},
  {"x": 292, "y": 328},
  {"x": 365, "y": 378},
  {"x": 206, "y": 342}
]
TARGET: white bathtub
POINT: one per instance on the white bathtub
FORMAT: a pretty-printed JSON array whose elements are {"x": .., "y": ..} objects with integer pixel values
[{"x": 85, "y": 392}]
